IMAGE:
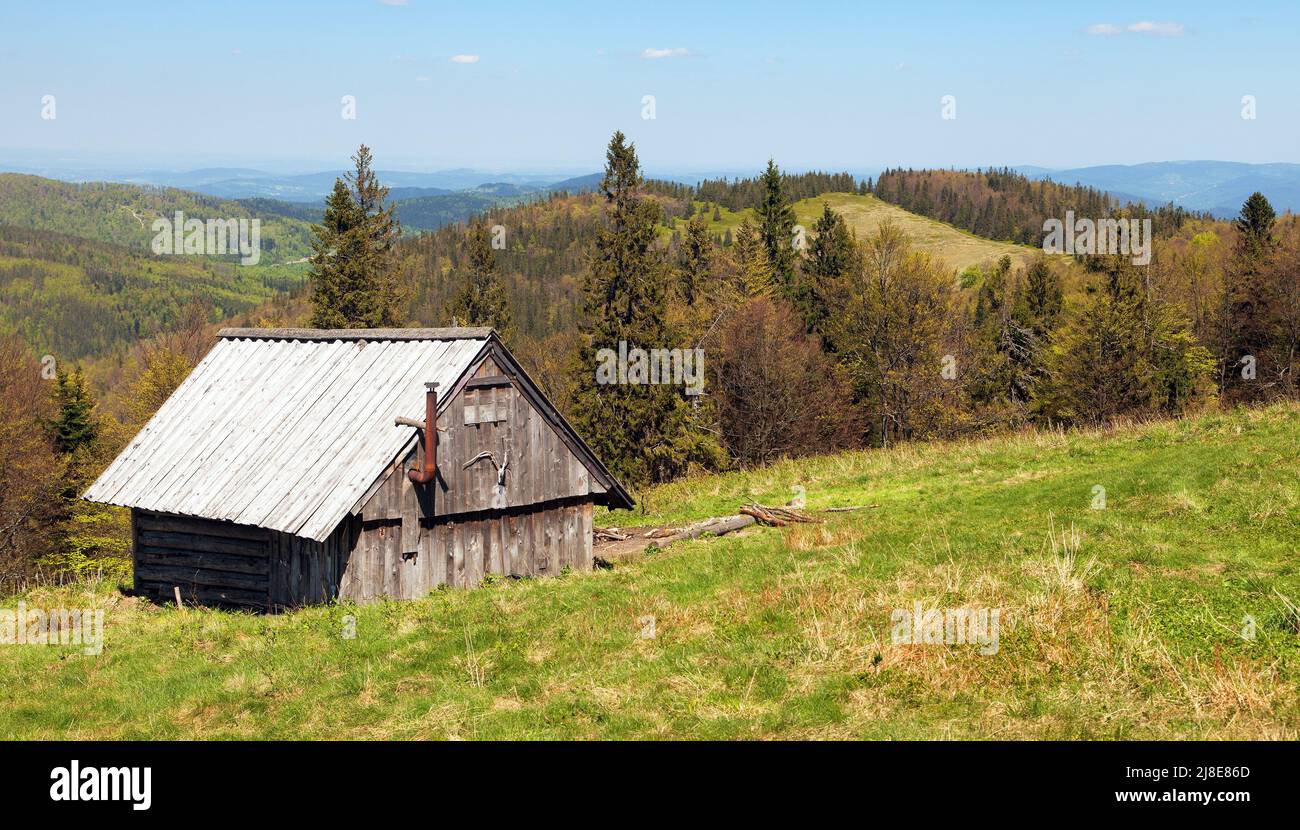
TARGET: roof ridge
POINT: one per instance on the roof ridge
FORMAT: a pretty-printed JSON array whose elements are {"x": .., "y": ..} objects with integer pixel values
[{"x": 450, "y": 333}]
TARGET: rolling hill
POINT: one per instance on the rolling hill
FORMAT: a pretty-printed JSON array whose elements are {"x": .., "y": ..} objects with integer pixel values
[
  {"x": 77, "y": 298},
  {"x": 123, "y": 214},
  {"x": 864, "y": 213},
  {"x": 1170, "y": 613},
  {"x": 314, "y": 187},
  {"x": 428, "y": 213}
]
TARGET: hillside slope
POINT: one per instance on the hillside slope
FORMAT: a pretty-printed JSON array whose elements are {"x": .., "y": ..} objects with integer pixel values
[
  {"x": 864, "y": 213},
  {"x": 1117, "y": 620},
  {"x": 123, "y": 214},
  {"x": 76, "y": 298}
]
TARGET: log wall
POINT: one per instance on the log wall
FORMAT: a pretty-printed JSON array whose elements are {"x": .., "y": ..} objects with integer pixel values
[
  {"x": 213, "y": 563},
  {"x": 458, "y": 551}
]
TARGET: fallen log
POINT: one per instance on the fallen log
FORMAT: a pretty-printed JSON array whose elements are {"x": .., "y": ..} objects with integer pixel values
[{"x": 717, "y": 526}]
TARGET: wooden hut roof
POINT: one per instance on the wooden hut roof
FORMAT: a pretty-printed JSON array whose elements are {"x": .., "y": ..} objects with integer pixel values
[{"x": 287, "y": 428}]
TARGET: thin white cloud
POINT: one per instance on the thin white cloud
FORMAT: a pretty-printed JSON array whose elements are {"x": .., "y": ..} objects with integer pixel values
[
  {"x": 655, "y": 54},
  {"x": 1142, "y": 27},
  {"x": 464, "y": 58},
  {"x": 1149, "y": 27}
]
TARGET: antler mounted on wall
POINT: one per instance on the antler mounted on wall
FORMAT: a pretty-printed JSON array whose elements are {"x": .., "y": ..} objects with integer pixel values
[{"x": 500, "y": 468}]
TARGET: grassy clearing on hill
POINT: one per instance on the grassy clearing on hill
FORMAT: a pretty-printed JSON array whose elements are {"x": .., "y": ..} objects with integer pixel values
[
  {"x": 1122, "y": 622},
  {"x": 956, "y": 248}
]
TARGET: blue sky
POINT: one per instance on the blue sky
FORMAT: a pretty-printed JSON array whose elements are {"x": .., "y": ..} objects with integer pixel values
[{"x": 540, "y": 86}]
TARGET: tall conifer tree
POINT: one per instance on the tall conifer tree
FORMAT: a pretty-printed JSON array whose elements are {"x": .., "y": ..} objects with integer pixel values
[
  {"x": 757, "y": 276},
  {"x": 645, "y": 432},
  {"x": 1250, "y": 299},
  {"x": 831, "y": 255},
  {"x": 354, "y": 266},
  {"x": 776, "y": 228},
  {"x": 695, "y": 260}
]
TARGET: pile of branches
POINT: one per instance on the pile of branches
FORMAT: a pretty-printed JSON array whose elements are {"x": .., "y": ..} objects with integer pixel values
[{"x": 777, "y": 516}]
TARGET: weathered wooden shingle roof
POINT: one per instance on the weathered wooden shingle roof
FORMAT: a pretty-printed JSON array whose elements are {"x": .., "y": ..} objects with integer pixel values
[{"x": 285, "y": 428}]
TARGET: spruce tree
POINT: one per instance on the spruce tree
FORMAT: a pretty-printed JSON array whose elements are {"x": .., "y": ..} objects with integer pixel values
[
  {"x": 1250, "y": 300},
  {"x": 889, "y": 318},
  {"x": 75, "y": 426},
  {"x": 1041, "y": 299},
  {"x": 354, "y": 268},
  {"x": 1124, "y": 352},
  {"x": 776, "y": 229},
  {"x": 993, "y": 379},
  {"x": 645, "y": 432},
  {"x": 831, "y": 254},
  {"x": 73, "y": 432},
  {"x": 695, "y": 260},
  {"x": 1035, "y": 311},
  {"x": 481, "y": 299},
  {"x": 1099, "y": 366},
  {"x": 1255, "y": 223}
]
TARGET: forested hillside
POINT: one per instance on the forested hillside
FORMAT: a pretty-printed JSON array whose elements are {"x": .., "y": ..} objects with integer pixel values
[
  {"x": 540, "y": 265},
  {"x": 1004, "y": 205},
  {"x": 422, "y": 213},
  {"x": 740, "y": 194},
  {"x": 75, "y": 298},
  {"x": 123, "y": 214},
  {"x": 863, "y": 213}
]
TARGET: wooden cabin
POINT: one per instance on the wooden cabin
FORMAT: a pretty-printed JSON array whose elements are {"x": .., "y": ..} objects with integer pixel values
[{"x": 293, "y": 467}]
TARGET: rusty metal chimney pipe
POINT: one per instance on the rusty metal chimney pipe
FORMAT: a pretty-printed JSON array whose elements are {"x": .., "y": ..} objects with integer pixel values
[{"x": 429, "y": 471}]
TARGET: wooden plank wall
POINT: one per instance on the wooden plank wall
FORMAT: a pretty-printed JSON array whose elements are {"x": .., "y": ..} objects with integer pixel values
[
  {"x": 542, "y": 468},
  {"x": 213, "y": 563},
  {"x": 304, "y": 571},
  {"x": 538, "y": 526},
  {"x": 458, "y": 551}
]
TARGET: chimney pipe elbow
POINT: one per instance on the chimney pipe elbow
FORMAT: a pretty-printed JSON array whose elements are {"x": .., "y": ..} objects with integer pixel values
[{"x": 429, "y": 470}]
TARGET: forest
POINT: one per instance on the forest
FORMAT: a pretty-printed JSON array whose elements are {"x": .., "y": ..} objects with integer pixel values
[{"x": 123, "y": 214}]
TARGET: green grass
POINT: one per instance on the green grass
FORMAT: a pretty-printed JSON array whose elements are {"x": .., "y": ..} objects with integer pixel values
[
  {"x": 956, "y": 248},
  {"x": 1130, "y": 631}
]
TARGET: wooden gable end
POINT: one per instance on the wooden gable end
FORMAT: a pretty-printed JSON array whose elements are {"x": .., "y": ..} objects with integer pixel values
[{"x": 489, "y": 423}]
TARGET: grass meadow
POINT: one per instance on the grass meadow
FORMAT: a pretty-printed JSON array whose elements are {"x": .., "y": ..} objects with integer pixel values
[
  {"x": 1146, "y": 578},
  {"x": 952, "y": 246}
]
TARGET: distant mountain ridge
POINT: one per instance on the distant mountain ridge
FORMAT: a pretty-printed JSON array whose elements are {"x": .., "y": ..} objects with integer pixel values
[{"x": 1217, "y": 187}]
